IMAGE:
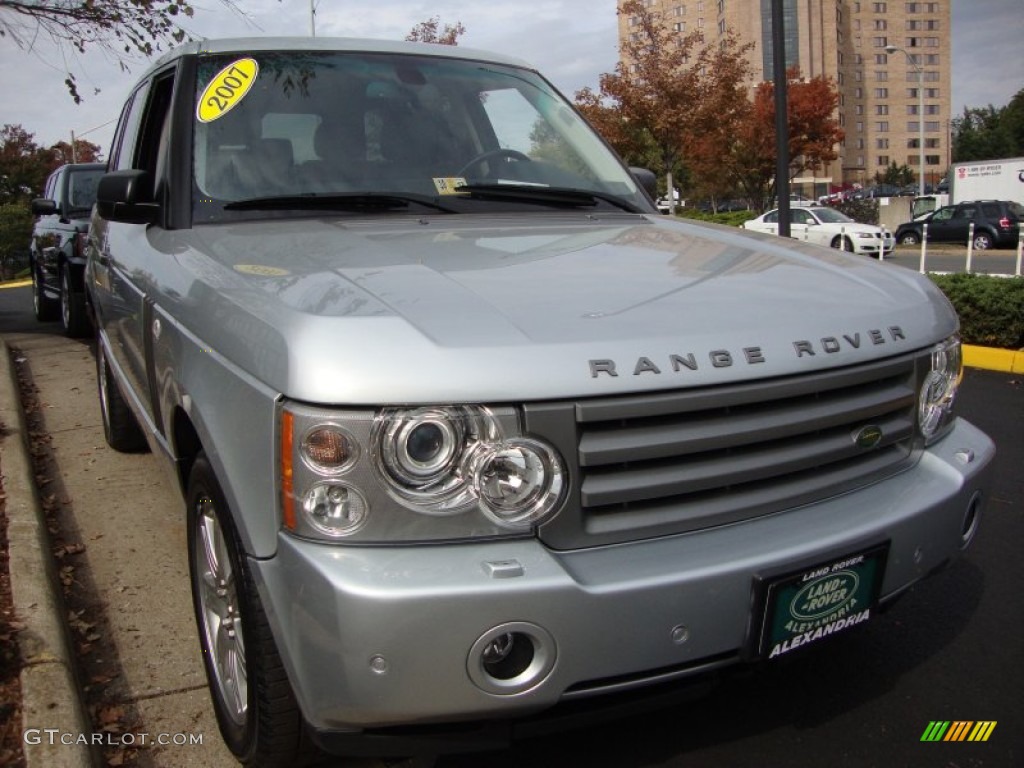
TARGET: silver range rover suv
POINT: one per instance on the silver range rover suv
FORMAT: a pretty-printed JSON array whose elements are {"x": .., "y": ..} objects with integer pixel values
[{"x": 467, "y": 432}]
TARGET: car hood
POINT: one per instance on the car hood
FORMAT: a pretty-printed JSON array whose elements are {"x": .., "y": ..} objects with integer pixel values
[{"x": 506, "y": 308}]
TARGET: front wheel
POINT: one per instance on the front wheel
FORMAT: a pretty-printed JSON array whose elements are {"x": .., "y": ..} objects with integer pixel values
[
  {"x": 843, "y": 244},
  {"x": 256, "y": 710},
  {"x": 982, "y": 241},
  {"x": 909, "y": 238}
]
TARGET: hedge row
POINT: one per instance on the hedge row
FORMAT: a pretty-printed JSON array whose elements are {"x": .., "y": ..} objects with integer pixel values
[{"x": 991, "y": 309}]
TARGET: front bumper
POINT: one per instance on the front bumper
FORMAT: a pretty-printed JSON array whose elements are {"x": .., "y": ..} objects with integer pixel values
[{"x": 387, "y": 636}]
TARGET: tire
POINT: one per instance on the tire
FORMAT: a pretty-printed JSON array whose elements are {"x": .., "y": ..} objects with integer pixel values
[
  {"x": 73, "y": 314},
  {"x": 842, "y": 243},
  {"x": 909, "y": 238},
  {"x": 45, "y": 308},
  {"x": 983, "y": 241},
  {"x": 120, "y": 428},
  {"x": 256, "y": 710}
]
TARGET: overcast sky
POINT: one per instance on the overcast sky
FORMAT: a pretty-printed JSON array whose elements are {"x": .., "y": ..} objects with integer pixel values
[{"x": 571, "y": 41}]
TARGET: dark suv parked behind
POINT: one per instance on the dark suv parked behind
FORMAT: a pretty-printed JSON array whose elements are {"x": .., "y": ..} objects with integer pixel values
[
  {"x": 996, "y": 223},
  {"x": 56, "y": 255}
]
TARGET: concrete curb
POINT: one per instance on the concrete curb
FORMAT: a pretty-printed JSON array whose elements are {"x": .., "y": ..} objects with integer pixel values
[
  {"x": 52, "y": 709},
  {"x": 991, "y": 359}
]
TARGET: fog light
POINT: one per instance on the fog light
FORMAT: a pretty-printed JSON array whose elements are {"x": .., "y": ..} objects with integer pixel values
[
  {"x": 519, "y": 481},
  {"x": 335, "y": 509}
]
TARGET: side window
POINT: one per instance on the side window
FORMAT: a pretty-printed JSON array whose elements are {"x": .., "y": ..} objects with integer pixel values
[
  {"x": 153, "y": 132},
  {"x": 990, "y": 210},
  {"x": 124, "y": 139},
  {"x": 50, "y": 193},
  {"x": 943, "y": 214},
  {"x": 800, "y": 217},
  {"x": 771, "y": 218},
  {"x": 966, "y": 212}
]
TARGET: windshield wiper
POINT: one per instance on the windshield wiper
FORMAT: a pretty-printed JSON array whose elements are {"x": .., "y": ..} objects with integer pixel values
[
  {"x": 348, "y": 201},
  {"x": 542, "y": 195}
]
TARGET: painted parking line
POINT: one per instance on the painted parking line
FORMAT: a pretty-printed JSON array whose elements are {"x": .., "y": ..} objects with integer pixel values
[{"x": 16, "y": 283}]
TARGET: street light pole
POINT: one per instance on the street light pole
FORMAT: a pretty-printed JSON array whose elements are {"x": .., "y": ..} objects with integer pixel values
[{"x": 891, "y": 49}]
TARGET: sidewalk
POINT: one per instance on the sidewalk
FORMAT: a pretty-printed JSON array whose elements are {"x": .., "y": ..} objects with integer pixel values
[{"x": 49, "y": 687}]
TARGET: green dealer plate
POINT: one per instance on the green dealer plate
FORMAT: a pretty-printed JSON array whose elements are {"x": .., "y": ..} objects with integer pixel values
[{"x": 805, "y": 607}]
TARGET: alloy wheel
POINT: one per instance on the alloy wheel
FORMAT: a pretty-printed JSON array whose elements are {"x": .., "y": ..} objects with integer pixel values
[{"x": 219, "y": 612}]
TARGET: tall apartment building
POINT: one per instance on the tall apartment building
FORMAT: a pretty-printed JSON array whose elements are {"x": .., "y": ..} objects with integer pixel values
[{"x": 880, "y": 106}]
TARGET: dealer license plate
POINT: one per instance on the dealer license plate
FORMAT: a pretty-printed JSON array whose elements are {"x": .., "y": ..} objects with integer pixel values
[{"x": 805, "y": 607}]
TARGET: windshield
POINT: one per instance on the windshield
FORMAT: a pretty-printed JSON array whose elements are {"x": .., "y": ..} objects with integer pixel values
[
  {"x": 832, "y": 216},
  {"x": 345, "y": 127},
  {"x": 82, "y": 188}
]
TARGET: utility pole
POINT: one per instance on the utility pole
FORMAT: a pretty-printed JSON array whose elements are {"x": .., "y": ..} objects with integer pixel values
[{"x": 781, "y": 117}]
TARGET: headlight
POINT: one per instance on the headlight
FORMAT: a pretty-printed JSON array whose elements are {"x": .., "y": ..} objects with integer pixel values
[
  {"x": 935, "y": 403},
  {"x": 428, "y": 473},
  {"x": 424, "y": 453}
]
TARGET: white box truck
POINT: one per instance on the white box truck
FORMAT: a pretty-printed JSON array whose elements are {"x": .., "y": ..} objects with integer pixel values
[{"x": 988, "y": 180}]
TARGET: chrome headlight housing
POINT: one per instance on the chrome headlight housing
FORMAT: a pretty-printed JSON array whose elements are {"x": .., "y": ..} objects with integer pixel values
[
  {"x": 938, "y": 391},
  {"x": 424, "y": 473}
]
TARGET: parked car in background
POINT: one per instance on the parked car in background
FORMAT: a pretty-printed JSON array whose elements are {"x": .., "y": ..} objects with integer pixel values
[
  {"x": 996, "y": 225},
  {"x": 879, "y": 190},
  {"x": 827, "y": 226},
  {"x": 56, "y": 254}
]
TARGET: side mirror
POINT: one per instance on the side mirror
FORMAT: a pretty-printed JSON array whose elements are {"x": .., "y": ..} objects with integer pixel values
[
  {"x": 41, "y": 206},
  {"x": 647, "y": 180},
  {"x": 126, "y": 196}
]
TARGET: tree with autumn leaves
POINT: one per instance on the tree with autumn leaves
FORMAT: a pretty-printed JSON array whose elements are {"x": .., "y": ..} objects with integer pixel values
[
  {"x": 667, "y": 90},
  {"x": 679, "y": 103},
  {"x": 748, "y": 159}
]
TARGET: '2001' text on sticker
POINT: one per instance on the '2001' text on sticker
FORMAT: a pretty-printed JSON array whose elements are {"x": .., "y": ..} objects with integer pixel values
[{"x": 227, "y": 88}]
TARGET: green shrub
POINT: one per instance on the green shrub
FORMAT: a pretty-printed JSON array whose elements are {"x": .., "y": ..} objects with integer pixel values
[
  {"x": 991, "y": 309},
  {"x": 731, "y": 219},
  {"x": 864, "y": 211}
]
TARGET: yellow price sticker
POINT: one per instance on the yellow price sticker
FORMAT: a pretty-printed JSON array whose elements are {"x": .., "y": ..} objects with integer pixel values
[{"x": 227, "y": 89}]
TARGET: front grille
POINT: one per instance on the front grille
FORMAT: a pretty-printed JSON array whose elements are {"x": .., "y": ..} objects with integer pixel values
[{"x": 655, "y": 464}]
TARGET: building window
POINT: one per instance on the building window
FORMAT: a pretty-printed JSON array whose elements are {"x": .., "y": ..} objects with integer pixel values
[
  {"x": 881, "y": 143},
  {"x": 883, "y": 160},
  {"x": 881, "y": 93},
  {"x": 679, "y": 26},
  {"x": 881, "y": 58},
  {"x": 881, "y": 109},
  {"x": 721, "y": 7},
  {"x": 680, "y": 10},
  {"x": 879, "y": 7},
  {"x": 880, "y": 25},
  {"x": 721, "y": 26},
  {"x": 879, "y": 42},
  {"x": 932, "y": 126},
  {"x": 932, "y": 159},
  {"x": 882, "y": 126},
  {"x": 881, "y": 76},
  {"x": 912, "y": 109}
]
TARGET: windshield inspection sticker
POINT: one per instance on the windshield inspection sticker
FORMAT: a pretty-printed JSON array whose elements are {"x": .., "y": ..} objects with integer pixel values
[
  {"x": 227, "y": 88},
  {"x": 808, "y": 606},
  {"x": 448, "y": 185},
  {"x": 261, "y": 271}
]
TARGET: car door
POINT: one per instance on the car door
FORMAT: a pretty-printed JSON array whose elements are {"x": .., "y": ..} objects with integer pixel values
[
  {"x": 46, "y": 236},
  {"x": 955, "y": 227},
  {"x": 802, "y": 226},
  {"x": 121, "y": 268},
  {"x": 940, "y": 228}
]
